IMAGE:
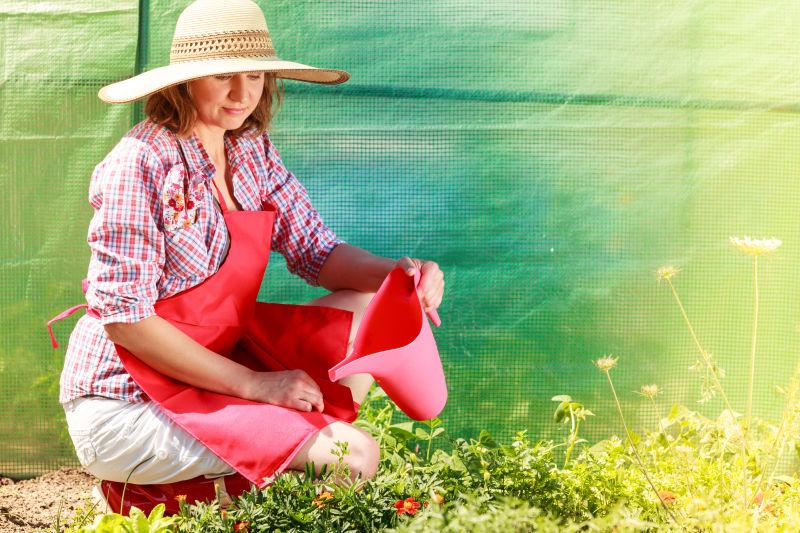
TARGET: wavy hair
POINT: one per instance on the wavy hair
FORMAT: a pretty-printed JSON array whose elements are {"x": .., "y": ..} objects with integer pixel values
[{"x": 173, "y": 108}]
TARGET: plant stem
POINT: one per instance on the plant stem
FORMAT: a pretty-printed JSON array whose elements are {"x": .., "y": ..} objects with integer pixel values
[
  {"x": 753, "y": 346},
  {"x": 748, "y": 416},
  {"x": 573, "y": 438},
  {"x": 636, "y": 452},
  {"x": 430, "y": 441},
  {"x": 670, "y": 444},
  {"x": 703, "y": 353},
  {"x": 788, "y": 420},
  {"x": 658, "y": 414}
]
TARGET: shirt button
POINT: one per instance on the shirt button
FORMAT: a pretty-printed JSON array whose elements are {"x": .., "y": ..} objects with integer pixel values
[{"x": 162, "y": 454}]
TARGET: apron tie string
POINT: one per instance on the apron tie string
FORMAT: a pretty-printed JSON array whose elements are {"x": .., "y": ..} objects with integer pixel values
[{"x": 61, "y": 316}]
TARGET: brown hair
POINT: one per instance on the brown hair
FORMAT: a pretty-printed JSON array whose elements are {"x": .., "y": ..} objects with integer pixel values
[{"x": 172, "y": 108}]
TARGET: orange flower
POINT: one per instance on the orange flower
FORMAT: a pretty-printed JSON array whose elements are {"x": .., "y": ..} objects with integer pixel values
[
  {"x": 242, "y": 526},
  {"x": 407, "y": 506},
  {"x": 322, "y": 499},
  {"x": 760, "y": 498},
  {"x": 437, "y": 498},
  {"x": 180, "y": 498},
  {"x": 667, "y": 496}
]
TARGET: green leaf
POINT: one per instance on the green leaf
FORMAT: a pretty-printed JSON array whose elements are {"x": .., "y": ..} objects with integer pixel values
[
  {"x": 400, "y": 434},
  {"x": 457, "y": 464},
  {"x": 157, "y": 513},
  {"x": 407, "y": 426},
  {"x": 561, "y": 413},
  {"x": 139, "y": 522},
  {"x": 485, "y": 438}
]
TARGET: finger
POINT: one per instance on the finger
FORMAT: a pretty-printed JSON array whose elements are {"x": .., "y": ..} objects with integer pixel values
[
  {"x": 430, "y": 277},
  {"x": 301, "y": 405},
  {"x": 407, "y": 264},
  {"x": 311, "y": 387},
  {"x": 432, "y": 293},
  {"x": 438, "y": 300},
  {"x": 315, "y": 399},
  {"x": 430, "y": 268}
]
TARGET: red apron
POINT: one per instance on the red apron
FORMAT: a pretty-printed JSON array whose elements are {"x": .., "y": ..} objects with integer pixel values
[{"x": 259, "y": 440}]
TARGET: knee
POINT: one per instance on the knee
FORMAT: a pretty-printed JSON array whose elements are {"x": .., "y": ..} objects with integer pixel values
[
  {"x": 358, "y": 301},
  {"x": 364, "y": 456},
  {"x": 358, "y": 304}
]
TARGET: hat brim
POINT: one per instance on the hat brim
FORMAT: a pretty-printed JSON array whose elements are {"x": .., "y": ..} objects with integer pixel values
[{"x": 159, "y": 78}]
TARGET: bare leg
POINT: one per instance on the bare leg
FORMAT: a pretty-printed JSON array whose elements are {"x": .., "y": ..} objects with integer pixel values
[
  {"x": 363, "y": 457},
  {"x": 364, "y": 454},
  {"x": 356, "y": 302}
]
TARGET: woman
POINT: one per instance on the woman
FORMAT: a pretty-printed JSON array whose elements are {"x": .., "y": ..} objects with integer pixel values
[{"x": 176, "y": 380}]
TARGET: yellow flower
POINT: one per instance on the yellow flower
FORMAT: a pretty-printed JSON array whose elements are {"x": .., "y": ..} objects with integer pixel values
[
  {"x": 606, "y": 363},
  {"x": 666, "y": 273},
  {"x": 650, "y": 391},
  {"x": 180, "y": 498},
  {"x": 322, "y": 499},
  {"x": 756, "y": 247}
]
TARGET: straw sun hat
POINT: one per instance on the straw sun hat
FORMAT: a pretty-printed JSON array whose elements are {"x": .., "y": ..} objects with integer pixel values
[{"x": 217, "y": 37}]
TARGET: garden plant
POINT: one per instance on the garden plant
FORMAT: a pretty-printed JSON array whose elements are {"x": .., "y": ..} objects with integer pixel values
[{"x": 689, "y": 473}]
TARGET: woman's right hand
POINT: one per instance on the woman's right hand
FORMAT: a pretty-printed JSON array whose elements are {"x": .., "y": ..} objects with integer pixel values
[
  {"x": 288, "y": 388},
  {"x": 164, "y": 347}
]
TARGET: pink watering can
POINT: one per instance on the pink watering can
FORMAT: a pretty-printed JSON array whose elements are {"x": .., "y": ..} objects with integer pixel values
[{"x": 395, "y": 344}]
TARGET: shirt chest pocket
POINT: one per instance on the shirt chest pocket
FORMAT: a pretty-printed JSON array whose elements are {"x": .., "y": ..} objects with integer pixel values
[
  {"x": 187, "y": 253},
  {"x": 180, "y": 200}
]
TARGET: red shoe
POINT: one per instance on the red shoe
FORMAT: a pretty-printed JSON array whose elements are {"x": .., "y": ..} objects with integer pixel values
[{"x": 145, "y": 497}]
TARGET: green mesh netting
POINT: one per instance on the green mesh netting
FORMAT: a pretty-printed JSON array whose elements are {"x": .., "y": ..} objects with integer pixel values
[{"x": 549, "y": 155}]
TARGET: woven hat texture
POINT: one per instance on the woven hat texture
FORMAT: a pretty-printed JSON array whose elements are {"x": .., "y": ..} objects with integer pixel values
[{"x": 215, "y": 37}]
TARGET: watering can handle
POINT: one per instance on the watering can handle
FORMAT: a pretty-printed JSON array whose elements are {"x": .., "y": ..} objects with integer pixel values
[{"x": 432, "y": 314}]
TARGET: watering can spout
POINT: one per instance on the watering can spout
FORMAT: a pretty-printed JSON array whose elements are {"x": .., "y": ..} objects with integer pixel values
[{"x": 394, "y": 344}]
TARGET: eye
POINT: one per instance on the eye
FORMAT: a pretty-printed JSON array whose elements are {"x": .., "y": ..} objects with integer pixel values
[
  {"x": 256, "y": 76},
  {"x": 223, "y": 77}
]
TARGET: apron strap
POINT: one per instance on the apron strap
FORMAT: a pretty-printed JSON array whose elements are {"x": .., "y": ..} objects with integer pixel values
[
  {"x": 65, "y": 314},
  {"x": 222, "y": 203},
  {"x": 61, "y": 316}
]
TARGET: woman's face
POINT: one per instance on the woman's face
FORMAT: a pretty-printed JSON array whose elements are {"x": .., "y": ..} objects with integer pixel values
[{"x": 225, "y": 101}]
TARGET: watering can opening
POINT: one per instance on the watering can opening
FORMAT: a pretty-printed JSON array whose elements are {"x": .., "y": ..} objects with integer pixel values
[
  {"x": 394, "y": 344},
  {"x": 394, "y": 320}
]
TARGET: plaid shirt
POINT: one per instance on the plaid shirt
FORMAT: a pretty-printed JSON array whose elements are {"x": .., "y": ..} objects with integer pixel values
[{"x": 156, "y": 233}]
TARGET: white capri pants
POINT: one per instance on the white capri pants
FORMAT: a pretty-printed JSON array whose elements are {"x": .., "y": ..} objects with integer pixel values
[{"x": 112, "y": 437}]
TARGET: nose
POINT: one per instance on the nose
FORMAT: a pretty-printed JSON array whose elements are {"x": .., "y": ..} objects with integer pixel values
[{"x": 238, "y": 88}]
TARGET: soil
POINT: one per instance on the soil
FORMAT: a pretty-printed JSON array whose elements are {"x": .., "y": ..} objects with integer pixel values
[{"x": 32, "y": 505}]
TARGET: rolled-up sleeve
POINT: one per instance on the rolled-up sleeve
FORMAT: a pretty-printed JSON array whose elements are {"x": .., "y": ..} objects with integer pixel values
[
  {"x": 127, "y": 247},
  {"x": 299, "y": 233}
]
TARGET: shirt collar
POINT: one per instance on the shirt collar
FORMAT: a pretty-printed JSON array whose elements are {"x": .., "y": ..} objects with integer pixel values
[
  {"x": 198, "y": 161},
  {"x": 235, "y": 149}
]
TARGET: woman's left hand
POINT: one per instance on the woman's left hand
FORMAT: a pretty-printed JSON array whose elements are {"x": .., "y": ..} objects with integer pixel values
[{"x": 431, "y": 281}]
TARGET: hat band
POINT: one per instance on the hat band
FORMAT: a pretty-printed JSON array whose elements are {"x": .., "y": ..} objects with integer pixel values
[{"x": 222, "y": 45}]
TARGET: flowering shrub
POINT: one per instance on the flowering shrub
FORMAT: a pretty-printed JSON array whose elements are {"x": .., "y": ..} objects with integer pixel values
[
  {"x": 691, "y": 473},
  {"x": 481, "y": 485}
]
